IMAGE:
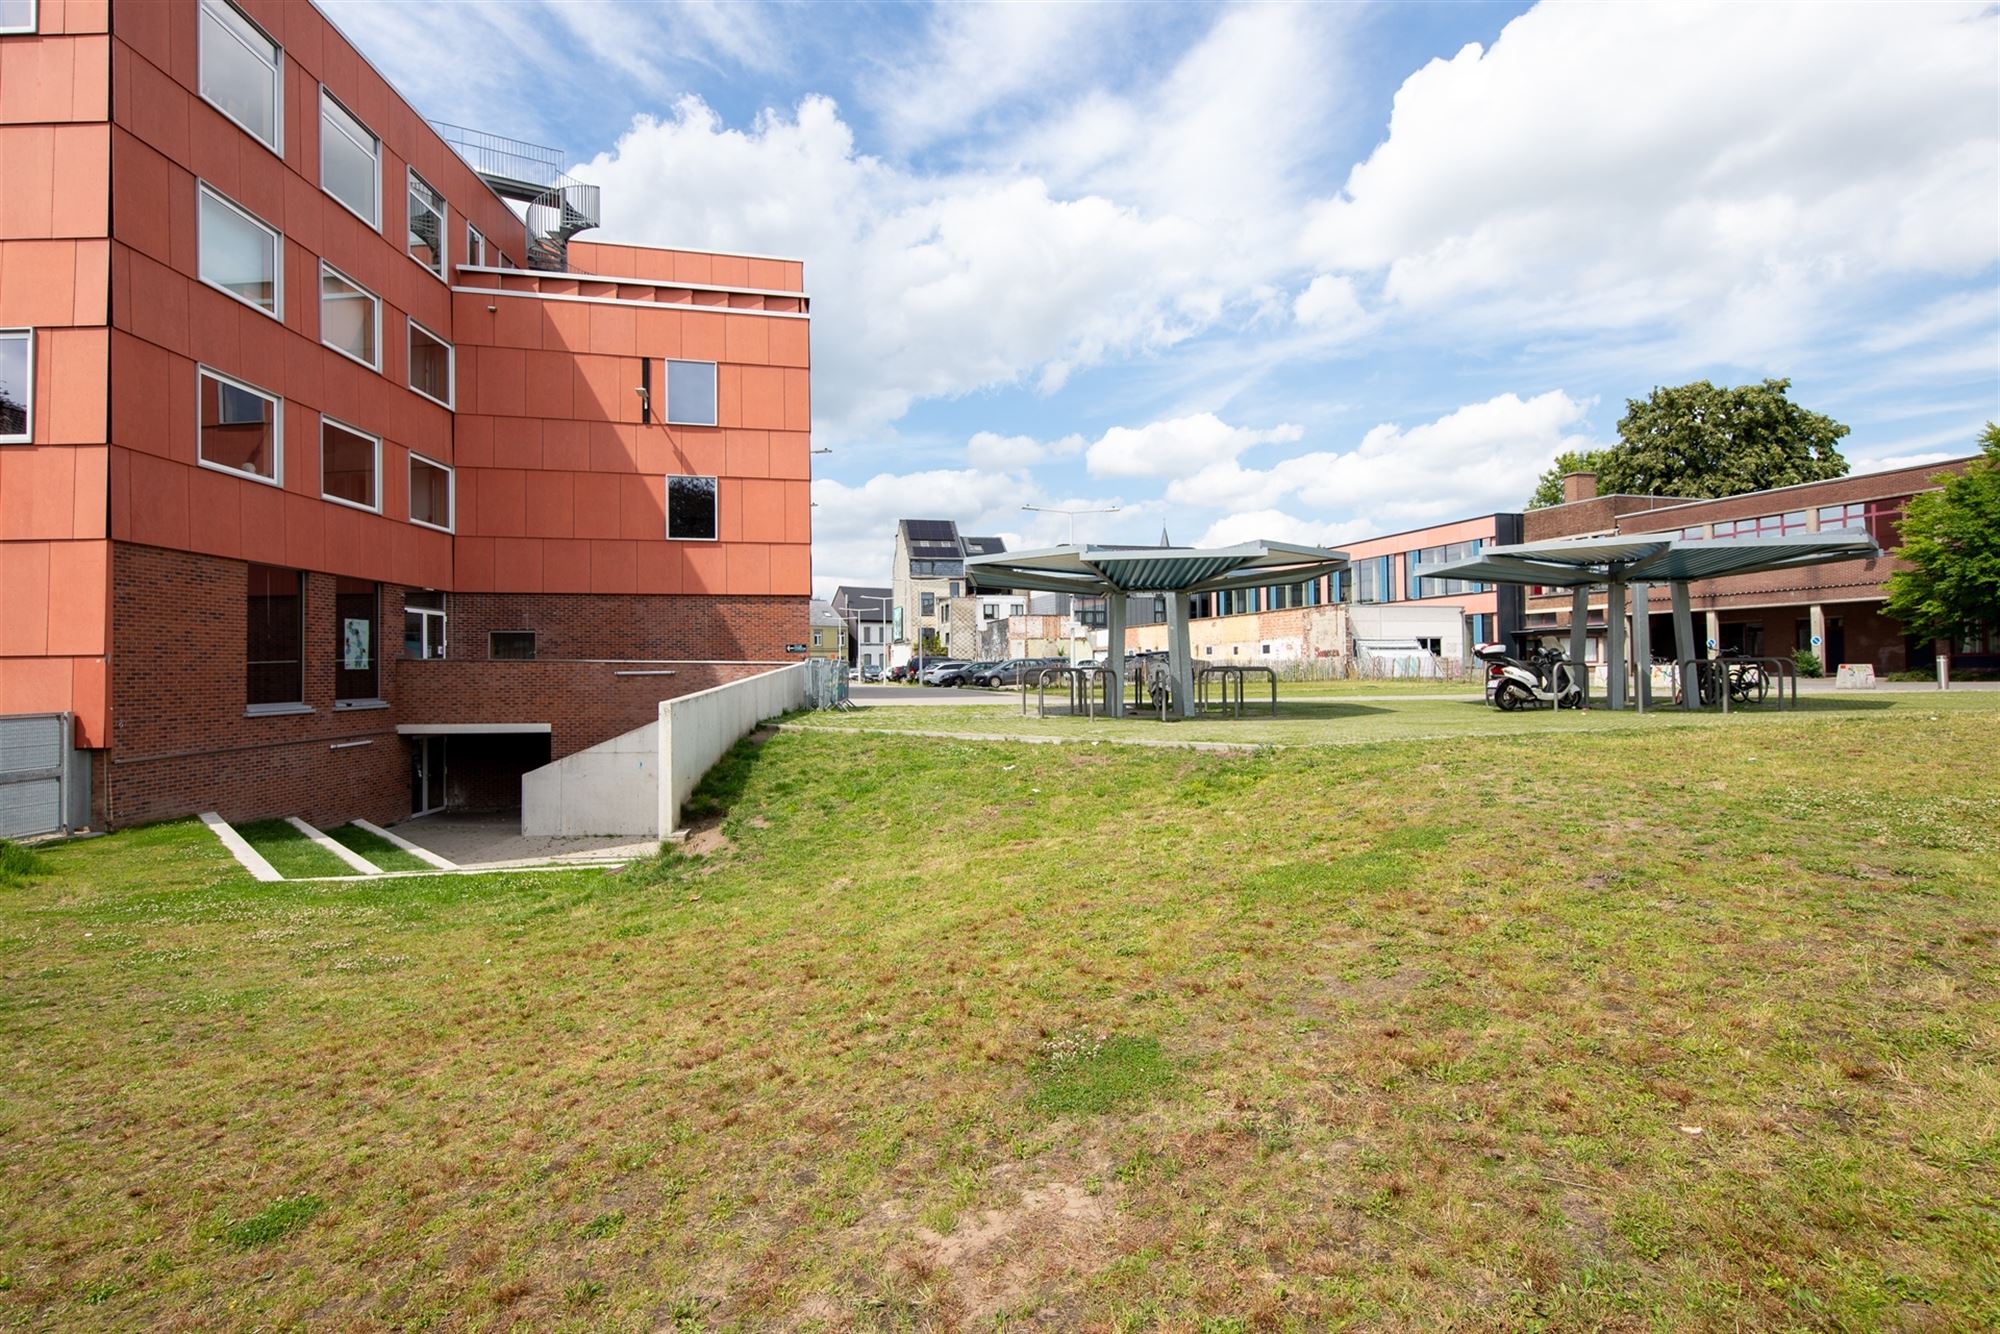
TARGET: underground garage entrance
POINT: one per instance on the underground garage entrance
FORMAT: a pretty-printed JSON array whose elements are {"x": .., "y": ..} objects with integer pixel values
[{"x": 471, "y": 767}]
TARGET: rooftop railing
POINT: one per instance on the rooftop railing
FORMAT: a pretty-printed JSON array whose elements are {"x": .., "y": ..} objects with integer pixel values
[{"x": 497, "y": 155}]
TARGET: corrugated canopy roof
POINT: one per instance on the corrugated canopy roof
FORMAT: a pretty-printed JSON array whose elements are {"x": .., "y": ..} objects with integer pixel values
[
  {"x": 1649, "y": 558},
  {"x": 1099, "y": 570}
]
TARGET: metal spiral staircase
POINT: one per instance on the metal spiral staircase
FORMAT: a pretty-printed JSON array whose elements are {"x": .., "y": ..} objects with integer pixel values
[{"x": 558, "y": 206}]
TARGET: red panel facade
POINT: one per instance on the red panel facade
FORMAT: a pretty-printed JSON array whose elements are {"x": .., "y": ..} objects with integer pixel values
[{"x": 116, "y": 525}]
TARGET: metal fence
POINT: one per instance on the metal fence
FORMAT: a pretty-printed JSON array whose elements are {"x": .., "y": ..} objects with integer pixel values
[{"x": 44, "y": 780}]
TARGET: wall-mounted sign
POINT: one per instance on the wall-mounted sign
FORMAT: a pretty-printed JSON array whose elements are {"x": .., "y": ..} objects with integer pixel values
[
  {"x": 1711, "y": 643},
  {"x": 795, "y": 648},
  {"x": 1815, "y": 641}
]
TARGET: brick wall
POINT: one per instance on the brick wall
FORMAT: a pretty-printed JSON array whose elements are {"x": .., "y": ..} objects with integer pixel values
[
  {"x": 628, "y": 626},
  {"x": 181, "y": 741},
  {"x": 1600, "y": 514},
  {"x": 582, "y": 702}
]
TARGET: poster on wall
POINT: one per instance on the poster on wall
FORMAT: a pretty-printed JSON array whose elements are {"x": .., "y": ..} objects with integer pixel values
[{"x": 354, "y": 644}]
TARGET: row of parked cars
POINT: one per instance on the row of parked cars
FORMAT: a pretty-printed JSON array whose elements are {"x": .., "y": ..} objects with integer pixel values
[{"x": 1010, "y": 672}]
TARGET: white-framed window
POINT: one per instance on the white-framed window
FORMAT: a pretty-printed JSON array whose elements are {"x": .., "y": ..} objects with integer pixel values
[
  {"x": 431, "y": 365},
  {"x": 350, "y": 465},
  {"x": 242, "y": 71},
  {"x": 17, "y": 386},
  {"x": 427, "y": 214},
  {"x": 350, "y": 161},
  {"x": 433, "y": 491},
  {"x": 475, "y": 245},
  {"x": 350, "y": 317},
  {"x": 691, "y": 509},
  {"x": 17, "y": 16},
  {"x": 240, "y": 255},
  {"x": 423, "y": 624},
  {"x": 690, "y": 393},
  {"x": 239, "y": 428}
]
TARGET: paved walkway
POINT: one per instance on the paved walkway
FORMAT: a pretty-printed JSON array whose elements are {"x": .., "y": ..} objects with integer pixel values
[{"x": 495, "y": 840}]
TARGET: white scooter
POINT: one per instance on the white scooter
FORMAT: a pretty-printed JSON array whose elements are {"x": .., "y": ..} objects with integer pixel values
[{"x": 1545, "y": 676}]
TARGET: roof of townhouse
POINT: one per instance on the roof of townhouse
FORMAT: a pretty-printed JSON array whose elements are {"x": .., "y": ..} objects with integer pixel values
[
  {"x": 939, "y": 539},
  {"x": 863, "y": 602},
  {"x": 822, "y": 613}
]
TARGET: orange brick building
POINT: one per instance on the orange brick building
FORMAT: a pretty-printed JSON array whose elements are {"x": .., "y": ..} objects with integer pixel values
[{"x": 329, "y": 483}]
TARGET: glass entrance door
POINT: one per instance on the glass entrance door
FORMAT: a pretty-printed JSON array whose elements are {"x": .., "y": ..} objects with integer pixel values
[{"x": 427, "y": 776}]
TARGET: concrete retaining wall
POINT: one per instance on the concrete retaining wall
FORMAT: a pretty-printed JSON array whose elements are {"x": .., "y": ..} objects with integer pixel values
[
  {"x": 637, "y": 782},
  {"x": 610, "y": 788},
  {"x": 697, "y": 730}
]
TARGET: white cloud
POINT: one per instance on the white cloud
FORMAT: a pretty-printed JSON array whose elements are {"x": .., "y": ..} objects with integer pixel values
[
  {"x": 923, "y": 287},
  {"x": 1178, "y": 446},
  {"x": 1732, "y": 169},
  {"x": 854, "y": 527},
  {"x": 1117, "y": 226},
  {"x": 976, "y": 58},
  {"x": 990, "y": 450},
  {"x": 1484, "y": 456},
  {"x": 1329, "y": 303},
  {"x": 1264, "y": 525}
]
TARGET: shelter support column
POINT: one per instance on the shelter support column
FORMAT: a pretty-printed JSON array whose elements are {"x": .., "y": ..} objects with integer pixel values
[
  {"x": 1817, "y": 615},
  {"x": 1579, "y": 632},
  {"x": 1642, "y": 645},
  {"x": 1180, "y": 655},
  {"x": 1614, "y": 647},
  {"x": 1114, "y": 648},
  {"x": 1684, "y": 645}
]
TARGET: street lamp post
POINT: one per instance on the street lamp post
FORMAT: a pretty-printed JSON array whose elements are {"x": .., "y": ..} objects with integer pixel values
[
  {"x": 1074, "y": 621},
  {"x": 884, "y": 604},
  {"x": 1070, "y": 514}
]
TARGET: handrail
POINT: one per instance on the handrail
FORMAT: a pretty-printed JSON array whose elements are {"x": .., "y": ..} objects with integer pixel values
[{"x": 498, "y": 155}]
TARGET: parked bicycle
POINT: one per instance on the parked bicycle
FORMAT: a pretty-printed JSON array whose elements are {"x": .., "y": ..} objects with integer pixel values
[{"x": 1744, "y": 677}]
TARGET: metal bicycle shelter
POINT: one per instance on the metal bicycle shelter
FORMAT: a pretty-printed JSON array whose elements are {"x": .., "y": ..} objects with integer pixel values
[
  {"x": 1115, "y": 573},
  {"x": 1631, "y": 565}
]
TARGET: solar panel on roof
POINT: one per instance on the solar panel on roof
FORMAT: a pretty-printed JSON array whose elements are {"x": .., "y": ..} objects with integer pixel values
[{"x": 931, "y": 530}]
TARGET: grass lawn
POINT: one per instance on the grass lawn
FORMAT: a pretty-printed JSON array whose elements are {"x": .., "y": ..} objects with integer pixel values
[
  {"x": 290, "y": 852},
  {"x": 376, "y": 849},
  {"x": 1350, "y": 718},
  {"x": 1662, "y": 1027}
]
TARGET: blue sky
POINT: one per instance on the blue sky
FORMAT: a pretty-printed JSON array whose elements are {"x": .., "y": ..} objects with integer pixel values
[{"x": 1303, "y": 272}]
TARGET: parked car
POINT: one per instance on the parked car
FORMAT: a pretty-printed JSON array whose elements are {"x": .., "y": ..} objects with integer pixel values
[
  {"x": 930, "y": 676},
  {"x": 1017, "y": 671},
  {"x": 964, "y": 675},
  {"x": 871, "y": 674}
]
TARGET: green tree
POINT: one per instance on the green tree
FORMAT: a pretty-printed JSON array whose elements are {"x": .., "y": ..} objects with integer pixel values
[
  {"x": 1701, "y": 440},
  {"x": 1951, "y": 539},
  {"x": 1549, "y": 490}
]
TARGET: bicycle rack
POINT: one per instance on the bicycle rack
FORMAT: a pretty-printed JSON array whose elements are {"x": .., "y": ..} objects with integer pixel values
[
  {"x": 1090, "y": 690},
  {"x": 1225, "y": 674},
  {"x": 1703, "y": 671}
]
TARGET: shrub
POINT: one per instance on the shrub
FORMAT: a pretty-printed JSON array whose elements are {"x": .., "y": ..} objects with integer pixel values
[{"x": 1807, "y": 662}]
